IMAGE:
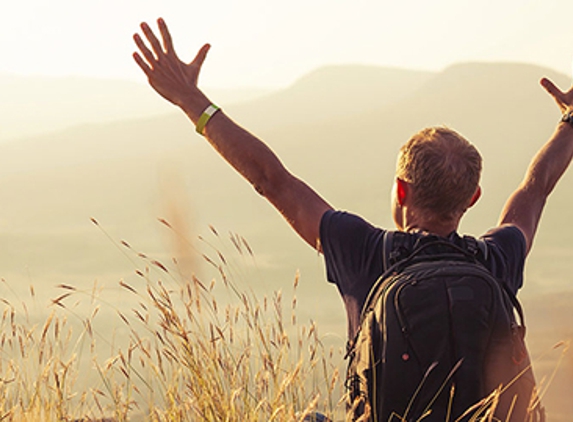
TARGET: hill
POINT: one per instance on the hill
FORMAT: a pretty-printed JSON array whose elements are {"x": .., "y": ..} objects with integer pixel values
[
  {"x": 33, "y": 105},
  {"x": 330, "y": 93}
]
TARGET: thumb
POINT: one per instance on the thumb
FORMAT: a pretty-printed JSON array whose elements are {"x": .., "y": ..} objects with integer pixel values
[{"x": 201, "y": 55}]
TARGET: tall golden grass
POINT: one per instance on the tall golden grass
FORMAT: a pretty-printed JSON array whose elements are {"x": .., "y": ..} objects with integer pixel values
[{"x": 192, "y": 350}]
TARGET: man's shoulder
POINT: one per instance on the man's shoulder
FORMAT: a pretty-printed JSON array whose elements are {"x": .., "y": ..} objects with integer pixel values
[
  {"x": 507, "y": 249},
  {"x": 343, "y": 234},
  {"x": 506, "y": 235},
  {"x": 335, "y": 220},
  {"x": 341, "y": 215}
]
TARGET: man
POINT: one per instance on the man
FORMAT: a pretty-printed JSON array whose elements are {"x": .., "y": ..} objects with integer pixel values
[{"x": 437, "y": 180}]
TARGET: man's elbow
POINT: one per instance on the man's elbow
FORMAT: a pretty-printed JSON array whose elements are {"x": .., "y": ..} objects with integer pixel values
[
  {"x": 259, "y": 189},
  {"x": 270, "y": 185},
  {"x": 274, "y": 187}
]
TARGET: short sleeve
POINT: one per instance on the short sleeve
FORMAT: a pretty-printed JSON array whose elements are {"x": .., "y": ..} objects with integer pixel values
[
  {"x": 506, "y": 254},
  {"x": 352, "y": 251}
]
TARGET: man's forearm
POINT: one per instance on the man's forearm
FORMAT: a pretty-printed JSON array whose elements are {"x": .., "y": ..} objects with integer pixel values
[
  {"x": 251, "y": 157},
  {"x": 551, "y": 161},
  {"x": 525, "y": 206}
]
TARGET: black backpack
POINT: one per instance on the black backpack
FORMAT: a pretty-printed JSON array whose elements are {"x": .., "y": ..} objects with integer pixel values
[{"x": 439, "y": 340}]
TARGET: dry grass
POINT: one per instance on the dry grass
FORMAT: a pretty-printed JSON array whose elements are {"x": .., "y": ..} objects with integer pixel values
[{"x": 192, "y": 350}]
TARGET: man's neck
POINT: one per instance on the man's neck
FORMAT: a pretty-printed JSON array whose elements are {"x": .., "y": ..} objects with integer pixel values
[
  {"x": 434, "y": 226},
  {"x": 411, "y": 219}
]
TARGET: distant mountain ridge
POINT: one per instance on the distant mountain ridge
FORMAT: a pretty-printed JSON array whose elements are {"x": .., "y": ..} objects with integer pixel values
[
  {"x": 331, "y": 92},
  {"x": 33, "y": 105}
]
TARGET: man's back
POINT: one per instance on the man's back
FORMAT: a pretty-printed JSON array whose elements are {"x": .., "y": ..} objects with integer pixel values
[
  {"x": 437, "y": 332},
  {"x": 354, "y": 255}
]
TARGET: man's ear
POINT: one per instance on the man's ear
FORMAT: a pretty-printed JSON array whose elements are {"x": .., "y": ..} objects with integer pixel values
[
  {"x": 476, "y": 196},
  {"x": 401, "y": 191}
]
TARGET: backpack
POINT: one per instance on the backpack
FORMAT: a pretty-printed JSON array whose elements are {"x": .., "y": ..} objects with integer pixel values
[{"x": 439, "y": 339}]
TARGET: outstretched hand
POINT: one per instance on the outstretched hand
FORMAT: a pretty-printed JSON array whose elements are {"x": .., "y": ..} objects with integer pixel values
[
  {"x": 563, "y": 99},
  {"x": 173, "y": 79}
]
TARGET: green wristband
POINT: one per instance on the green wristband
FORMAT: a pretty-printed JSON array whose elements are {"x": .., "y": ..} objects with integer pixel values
[{"x": 207, "y": 114}]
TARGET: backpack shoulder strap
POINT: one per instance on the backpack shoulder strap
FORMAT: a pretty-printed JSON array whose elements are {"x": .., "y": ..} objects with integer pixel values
[
  {"x": 395, "y": 250},
  {"x": 476, "y": 247},
  {"x": 396, "y": 247},
  {"x": 479, "y": 249}
]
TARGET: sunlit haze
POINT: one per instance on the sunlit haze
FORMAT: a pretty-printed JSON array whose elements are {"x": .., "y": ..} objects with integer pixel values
[
  {"x": 107, "y": 189},
  {"x": 271, "y": 44}
]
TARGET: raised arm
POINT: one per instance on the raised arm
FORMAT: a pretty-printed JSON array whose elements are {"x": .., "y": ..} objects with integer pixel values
[
  {"x": 525, "y": 205},
  {"x": 176, "y": 81}
]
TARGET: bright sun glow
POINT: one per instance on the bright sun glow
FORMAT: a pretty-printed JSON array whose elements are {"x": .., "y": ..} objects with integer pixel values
[{"x": 260, "y": 43}]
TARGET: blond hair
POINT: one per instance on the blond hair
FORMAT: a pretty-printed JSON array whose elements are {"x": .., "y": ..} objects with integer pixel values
[{"x": 444, "y": 170}]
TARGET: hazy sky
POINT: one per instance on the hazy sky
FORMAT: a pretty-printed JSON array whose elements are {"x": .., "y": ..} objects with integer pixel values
[{"x": 271, "y": 43}]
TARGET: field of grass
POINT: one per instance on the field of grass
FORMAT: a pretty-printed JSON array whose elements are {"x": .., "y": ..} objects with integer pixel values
[
  {"x": 188, "y": 350},
  {"x": 168, "y": 346}
]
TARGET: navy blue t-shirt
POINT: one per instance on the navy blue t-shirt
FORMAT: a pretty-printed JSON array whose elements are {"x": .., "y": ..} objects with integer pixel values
[{"x": 353, "y": 254}]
